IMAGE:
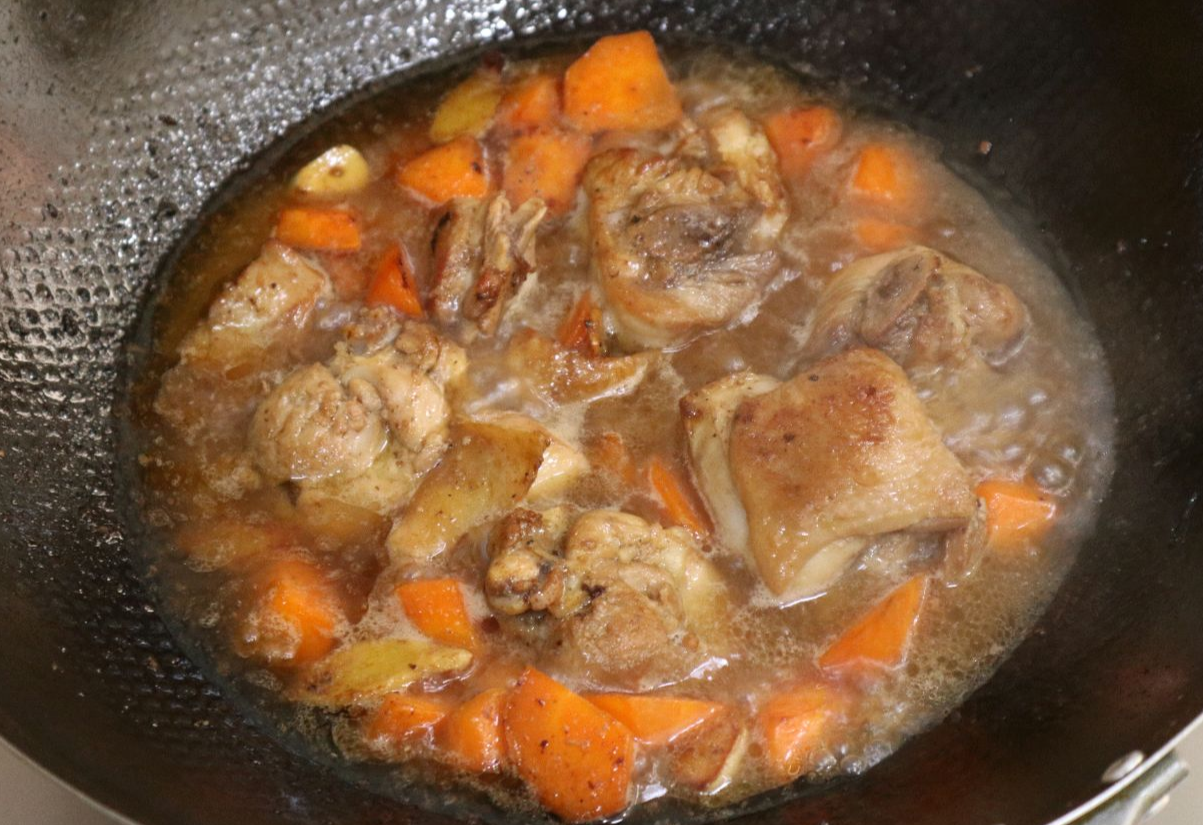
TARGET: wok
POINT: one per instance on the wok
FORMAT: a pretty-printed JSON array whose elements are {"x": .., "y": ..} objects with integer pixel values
[{"x": 119, "y": 121}]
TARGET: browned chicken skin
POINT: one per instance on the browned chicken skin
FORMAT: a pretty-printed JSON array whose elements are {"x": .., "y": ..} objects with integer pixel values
[
  {"x": 802, "y": 475},
  {"x": 560, "y": 375},
  {"x": 637, "y": 604},
  {"x": 483, "y": 254},
  {"x": 921, "y": 308},
  {"x": 264, "y": 310},
  {"x": 682, "y": 243},
  {"x": 364, "y": 426},
  {"x": 255, "y": 326}
]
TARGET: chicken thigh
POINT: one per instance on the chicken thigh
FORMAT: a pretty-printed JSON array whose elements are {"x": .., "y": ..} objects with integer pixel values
[
  {"x": 260, "y": 314},
  {"x": 636, "y": 605},
  {"x": 255, "y": 326},
  {"x": 365, "y": 426},
  {"x": 683, "y": 242},
  {"x": 920, "y": 307},
  {"x": 483, "y": 254},
  {"x": 802, "y": 476}
]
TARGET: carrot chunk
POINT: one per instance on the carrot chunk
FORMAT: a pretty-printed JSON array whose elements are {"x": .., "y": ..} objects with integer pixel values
[
  {"x": 620, "y": 83},
  {"x": 470, "y": 736},
  {"x": 455, "y": 169},
  {"x": 437, "y": 609},
  {"x": 881, "y": 637},
  {"x": 393, "y": 284},
  {"x": 547, "y": 164},
  {"x": 656, "y": 720},
  {"x": 294, "y": 617},
  {"x": 675, "y": 495},
  {"x": 883, "y": 174},
  {"x": 325, "y": 230},
  {"x": 796, "y": 726},
  {"x": 532, "y": 102},
  {"x": 576, "y": 757},
  {"x": 882, "y": 236},
  {"x": 800, "y": 135},
  {"x": 1017, "y": 513},
  {"x": 581, "y": 329},
  {"x": 403, "y": 718}
]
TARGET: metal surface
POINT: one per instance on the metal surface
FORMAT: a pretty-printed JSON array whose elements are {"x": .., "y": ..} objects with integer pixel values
[
  {"x": 31, "y": 796},
  {"x": 118, "y": 121},
  {"x": 1144, "y": 797}
]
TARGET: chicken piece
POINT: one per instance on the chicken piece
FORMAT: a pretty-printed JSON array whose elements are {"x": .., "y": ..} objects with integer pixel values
[
  {"x": 260, "y": 316},
  {"x": 802, "y": 476},
  {"x": 920, "y": 307},
  {"x": 487, "y": 471},
  {"x": 483, "y": 254},
  {"x": 638, "y": 605},
  {"x": 744, "y": 149},
  {"x": 509, "y": 257},
  {"x": 386, "y": 484},
  {"x": 375, "y": 329},
  {"x": 458, "y": 240},
  {"x": 659, "y": 609},
  {"x": 363, "y": 427},
  {"x": 707, "y": 758},
  {"x": 683, "y": 243},
  {"x": 562, "y": 463},
  {"x": 562, "y": 376},
  {"x": 256, "y": 325},
  {"x": 408, "y": 400},
  {"x": 709, "y": 414},
  {"x": 527, "y": 572},
  {"x": 312, "y": 427}
]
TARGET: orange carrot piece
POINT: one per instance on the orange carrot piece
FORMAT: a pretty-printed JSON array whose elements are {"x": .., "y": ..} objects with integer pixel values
[
  {"x": 883, "y": 174},
  {"x": 795, "y": 727},
  {"x": 1017, "y": 513},
  {"x": 532, "y": 102},
  {"x": 394, "y": 285},
  {"x": 675, "y": 496},
  {"x": 609, "y": 452},
  {"x": 547, "y": 164},
  {"x": 437, "y": 609},
  {"x": 455, "y": 169},
  {"x": 580, "y": 330},
  {"x": 620, "y": 83},
  {"x": 403, "y": 718},
  {"x": 882, "y": 236},
  {"x": 656, "y": 720},
  {"x": 881, "y": 637},
  {"x": 325, "y": 230},
  {"x": 470, "y": 736},
  {"x": 577, "y": 758},
  {"x": 800, "y": 135},
  {"x": 295, "y": 616}
]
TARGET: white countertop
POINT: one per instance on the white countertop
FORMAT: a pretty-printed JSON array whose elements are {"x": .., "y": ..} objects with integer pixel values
[{"x": 28, "y": 797}]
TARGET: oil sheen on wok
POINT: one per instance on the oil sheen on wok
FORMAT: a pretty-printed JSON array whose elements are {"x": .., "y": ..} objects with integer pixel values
[{"x": 615, "y": 424}]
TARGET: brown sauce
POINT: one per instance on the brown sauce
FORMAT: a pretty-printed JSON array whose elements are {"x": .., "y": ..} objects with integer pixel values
[{"x": 1043, "y": 415}]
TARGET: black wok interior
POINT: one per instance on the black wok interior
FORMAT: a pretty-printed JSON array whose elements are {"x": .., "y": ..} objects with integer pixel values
[{"x": 1094, "y": 114}]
